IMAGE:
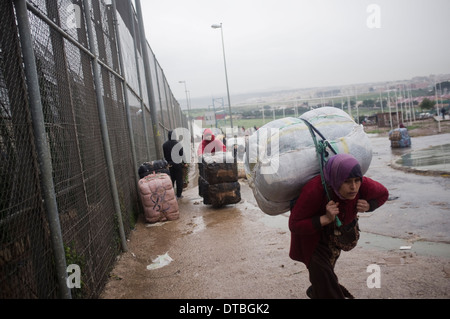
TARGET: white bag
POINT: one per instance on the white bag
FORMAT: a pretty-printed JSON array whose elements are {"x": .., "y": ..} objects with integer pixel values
[{"x": 282, "y": 156}]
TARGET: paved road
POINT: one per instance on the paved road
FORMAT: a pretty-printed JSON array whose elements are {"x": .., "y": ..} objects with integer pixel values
[
  {"x": 418, "y": 211},
  {"x": 422, "y": 206}
]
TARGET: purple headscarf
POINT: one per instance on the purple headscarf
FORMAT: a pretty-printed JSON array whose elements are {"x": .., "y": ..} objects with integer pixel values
[{"x": 339, "y": 168}]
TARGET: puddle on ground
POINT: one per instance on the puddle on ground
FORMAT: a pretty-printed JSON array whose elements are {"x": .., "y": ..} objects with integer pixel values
[
  {"x": 426, "y": 248},
  {"x": 370, "y": 240},
  {"x": 434, "y": 158},
  {"x": 199, "y": 224}
]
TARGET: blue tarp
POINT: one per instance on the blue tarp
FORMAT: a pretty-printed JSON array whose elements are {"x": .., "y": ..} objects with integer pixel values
[{"x": 399, "y": 137}]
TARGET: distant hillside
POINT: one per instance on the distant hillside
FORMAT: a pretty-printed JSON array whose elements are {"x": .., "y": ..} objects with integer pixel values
[{"x": 261, "y": 98}]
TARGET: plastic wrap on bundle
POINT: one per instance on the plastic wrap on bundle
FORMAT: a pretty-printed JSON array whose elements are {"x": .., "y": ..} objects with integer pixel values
[
  {"x": 158, "y": 198},
  {"x": 282, "y": 157},
  {"x": 399, "y": 137}
]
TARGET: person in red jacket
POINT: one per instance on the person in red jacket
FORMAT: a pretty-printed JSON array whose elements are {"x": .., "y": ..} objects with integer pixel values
[
  {"x": 210, "y": 144},
  {"x": 312, "y": 221}
]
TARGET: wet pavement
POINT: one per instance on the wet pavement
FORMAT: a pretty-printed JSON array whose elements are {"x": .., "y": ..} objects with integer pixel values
[
  {"x": 433, "y": 158},
  {"x": 239, "y": 252},
  {"x": 419, "y": 208}
]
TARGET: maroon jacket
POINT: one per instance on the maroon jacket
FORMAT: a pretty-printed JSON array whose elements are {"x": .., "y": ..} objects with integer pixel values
[{"x": 304, "y": 222}]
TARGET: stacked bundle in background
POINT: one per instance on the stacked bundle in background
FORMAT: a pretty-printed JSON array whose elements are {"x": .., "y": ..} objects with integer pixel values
[
  {"x": 158, "y": 198},
  {"x": 282, "y": 156},
  {"x": 218, "y": 180},
  {"x": 157, "y": 166},
  {"x": 399, "y": 138}
]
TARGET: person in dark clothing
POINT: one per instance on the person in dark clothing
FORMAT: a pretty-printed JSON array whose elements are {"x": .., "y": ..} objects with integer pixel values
[
  {"x": 312, "y": 222},
  {"x": 173, "y": 154}
]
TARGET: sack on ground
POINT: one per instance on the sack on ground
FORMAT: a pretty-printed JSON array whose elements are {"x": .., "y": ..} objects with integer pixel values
[{"x": 158, "y": 198}]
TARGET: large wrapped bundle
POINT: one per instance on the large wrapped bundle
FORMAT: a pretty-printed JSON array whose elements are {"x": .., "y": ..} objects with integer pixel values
[
  {"x": 282, "y": 156},
  {"x": 158, "y": 166},
  {"x": 217, "y": 170},
  {"x": 399, "y": 137},
  {"x": 158, "y": 198},
  {"x": 218, "y": 179},
  {"x": 224, "y": 194}
]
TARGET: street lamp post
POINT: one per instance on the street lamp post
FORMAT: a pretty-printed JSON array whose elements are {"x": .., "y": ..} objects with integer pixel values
[
  {"x": 186, "y": 92},
  {"x": 188, "y": 110},
  {"x": 219, "y": 26}
]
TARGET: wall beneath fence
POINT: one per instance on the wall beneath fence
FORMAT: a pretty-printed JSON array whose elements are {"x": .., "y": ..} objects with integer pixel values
[{"x": 89, "y": 220}]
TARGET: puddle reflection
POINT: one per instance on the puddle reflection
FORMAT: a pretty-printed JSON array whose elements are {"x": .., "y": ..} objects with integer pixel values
[
  {"x": 199, "y": 224},
  {"x": 434, "y": 158}
]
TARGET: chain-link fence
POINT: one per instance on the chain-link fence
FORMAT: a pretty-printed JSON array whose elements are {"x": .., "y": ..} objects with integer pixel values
[{"x": 102, "y": 114}]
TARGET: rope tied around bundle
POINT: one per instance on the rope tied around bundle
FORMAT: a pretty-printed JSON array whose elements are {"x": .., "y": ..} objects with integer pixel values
[{"x": 322, "y": 154}]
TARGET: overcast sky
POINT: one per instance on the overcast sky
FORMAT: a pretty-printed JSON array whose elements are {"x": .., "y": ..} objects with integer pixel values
[{"x": 289, "y": 44}]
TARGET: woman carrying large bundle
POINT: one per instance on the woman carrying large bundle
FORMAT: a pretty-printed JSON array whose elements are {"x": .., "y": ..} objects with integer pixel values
[{"x": 316, "y": 240}]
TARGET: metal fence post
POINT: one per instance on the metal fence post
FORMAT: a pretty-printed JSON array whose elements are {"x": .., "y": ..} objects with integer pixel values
[
  {"x": 44, "y": 157},
  {"x": 103, "y": 124},
  {"x": 125, "y": 89},
  {"x": 148, "y": 78},
  {"x": 159, "y": 90},
  {"x": 136, "y": 57}
]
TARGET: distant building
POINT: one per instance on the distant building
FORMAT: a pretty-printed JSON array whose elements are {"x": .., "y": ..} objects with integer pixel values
[{"x": 383, "y": 119}]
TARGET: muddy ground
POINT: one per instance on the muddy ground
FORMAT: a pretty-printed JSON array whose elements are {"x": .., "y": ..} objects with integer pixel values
[{"x": 238, "y": 252}]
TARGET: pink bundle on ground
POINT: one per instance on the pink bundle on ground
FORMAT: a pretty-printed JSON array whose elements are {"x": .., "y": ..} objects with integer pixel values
[{"x": 158, "y": 198}]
